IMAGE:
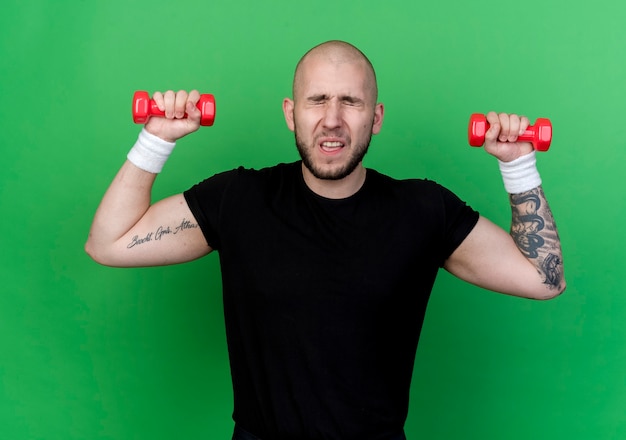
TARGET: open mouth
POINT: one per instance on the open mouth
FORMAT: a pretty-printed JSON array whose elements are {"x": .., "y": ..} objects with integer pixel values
[{"x": 331, "y": 147}]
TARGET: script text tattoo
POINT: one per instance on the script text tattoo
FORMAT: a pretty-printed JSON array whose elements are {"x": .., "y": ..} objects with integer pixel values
[{"x": 161, "y": 232}]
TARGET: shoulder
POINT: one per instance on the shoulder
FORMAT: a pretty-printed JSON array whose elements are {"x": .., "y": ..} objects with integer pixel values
[
  {"x": 408, "y": 187},
  {"x": 422, "y": 197},
  {"x": 243, "y": 176},
  {"x": 279, "y": 171}
]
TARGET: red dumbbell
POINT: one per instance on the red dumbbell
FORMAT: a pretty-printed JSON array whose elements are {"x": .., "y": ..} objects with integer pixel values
[
  {"x": 540, "y": 134},
  {"x": 144, "y": 108}
]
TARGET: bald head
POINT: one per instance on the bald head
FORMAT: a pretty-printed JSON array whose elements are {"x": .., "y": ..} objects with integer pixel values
[{"x": 337, "y": 52}]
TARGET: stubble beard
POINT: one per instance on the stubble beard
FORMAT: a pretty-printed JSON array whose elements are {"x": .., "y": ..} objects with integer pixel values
[{"x": 354, "y": 160}]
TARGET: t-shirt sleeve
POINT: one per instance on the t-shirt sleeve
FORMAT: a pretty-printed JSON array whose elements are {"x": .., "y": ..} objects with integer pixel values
[
  {"x": 460, "y": 219},
  {"x": 205, "y": 200}
]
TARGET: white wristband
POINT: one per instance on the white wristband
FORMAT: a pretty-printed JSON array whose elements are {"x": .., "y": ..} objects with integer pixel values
[
  {"x": 150, "y": 152},
  {"x": 520, "y": 175}
]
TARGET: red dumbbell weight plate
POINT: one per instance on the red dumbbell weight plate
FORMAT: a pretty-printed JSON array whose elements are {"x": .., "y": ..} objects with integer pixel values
[{"x": 476, "y": 130}]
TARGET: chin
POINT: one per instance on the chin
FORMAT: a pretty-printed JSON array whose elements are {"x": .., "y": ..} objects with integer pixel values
[{"x": 331, "y": 171}]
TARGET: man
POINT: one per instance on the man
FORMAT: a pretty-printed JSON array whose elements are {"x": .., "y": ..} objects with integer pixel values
[{"x": 327, "y": 266}]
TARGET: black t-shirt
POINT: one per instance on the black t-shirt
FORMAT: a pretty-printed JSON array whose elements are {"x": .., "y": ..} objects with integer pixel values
[{"x": 324, "y": 299}]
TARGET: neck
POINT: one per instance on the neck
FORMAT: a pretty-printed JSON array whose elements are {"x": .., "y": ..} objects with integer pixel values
[{"x": 335, "y": 189}]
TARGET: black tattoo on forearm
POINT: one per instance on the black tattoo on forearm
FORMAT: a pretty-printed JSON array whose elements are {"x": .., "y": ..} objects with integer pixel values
[
  {"x": 526, "y": 223},
  {"x": 534, "y": 231},
  {"x": 161, "y": 232},
  {"x": 551, "y": 267}
]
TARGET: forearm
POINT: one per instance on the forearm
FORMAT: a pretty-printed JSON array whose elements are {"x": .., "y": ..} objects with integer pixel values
[
  {"x": 129, "y": 195},
  {"x": 534, "y": 231},
  {"x": 125, "y": 202},
  {"x": 532, "y": 227}
]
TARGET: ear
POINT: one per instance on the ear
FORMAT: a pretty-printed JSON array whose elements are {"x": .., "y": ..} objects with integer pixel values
[
  {"x": 288, "y": 112},
  {"x": 379, "y": 112}
]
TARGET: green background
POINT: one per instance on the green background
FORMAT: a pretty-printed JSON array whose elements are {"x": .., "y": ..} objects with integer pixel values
[{"x": 90, "y": 352}]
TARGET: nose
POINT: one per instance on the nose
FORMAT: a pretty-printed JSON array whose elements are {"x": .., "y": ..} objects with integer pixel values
[{"x": 332, "y": 114}]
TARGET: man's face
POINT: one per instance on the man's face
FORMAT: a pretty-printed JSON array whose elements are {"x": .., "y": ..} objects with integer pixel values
[{"x": 333, "y": 116}]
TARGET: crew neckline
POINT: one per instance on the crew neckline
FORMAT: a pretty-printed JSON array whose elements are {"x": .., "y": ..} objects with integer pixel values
[{"x": 329, "y": 199}]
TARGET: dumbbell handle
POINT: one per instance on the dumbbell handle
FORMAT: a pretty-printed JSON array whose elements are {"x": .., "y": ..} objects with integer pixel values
[
  {"x": 144, "y": 108},
  {"x": 540, "y": 134}
]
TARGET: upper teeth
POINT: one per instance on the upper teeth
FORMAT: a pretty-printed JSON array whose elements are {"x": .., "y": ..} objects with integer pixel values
[{"x": 332, "y": 144}]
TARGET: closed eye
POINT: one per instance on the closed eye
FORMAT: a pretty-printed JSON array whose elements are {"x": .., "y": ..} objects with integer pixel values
[
  {"x": 317, "y": 99},
  {"x": 345, "y": 100},
  {"x": 351, "y": 100}
]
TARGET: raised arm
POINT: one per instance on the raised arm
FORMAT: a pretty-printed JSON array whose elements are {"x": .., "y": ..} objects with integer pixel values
[
  {"x": 128, "y": 230},
  {"x": 527, "y": 262}
]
